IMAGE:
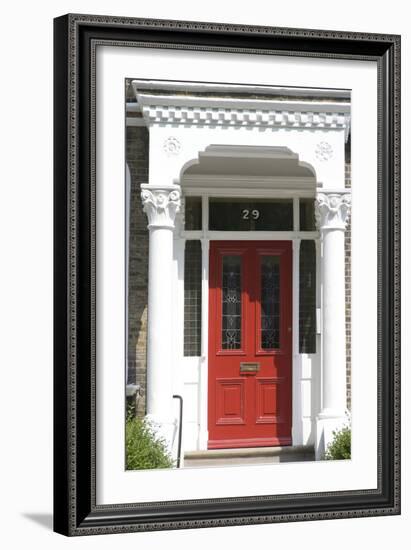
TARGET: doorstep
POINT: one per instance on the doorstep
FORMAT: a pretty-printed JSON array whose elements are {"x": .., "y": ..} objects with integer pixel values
[{"x": 255, "y": 455}]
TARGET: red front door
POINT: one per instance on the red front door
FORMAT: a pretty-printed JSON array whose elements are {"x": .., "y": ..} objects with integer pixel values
[{"x": 250, "y": 341}]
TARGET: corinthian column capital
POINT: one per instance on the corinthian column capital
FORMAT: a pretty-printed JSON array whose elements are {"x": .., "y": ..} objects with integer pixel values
[
  {"x": 161, "y": 204},
  {"x": 332, "y": 209}
]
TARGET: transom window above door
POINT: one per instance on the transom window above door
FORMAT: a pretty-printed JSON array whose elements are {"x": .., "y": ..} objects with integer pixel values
[
  {"x": 230, "y": 214},
  {"x": 249, "y": 214}
]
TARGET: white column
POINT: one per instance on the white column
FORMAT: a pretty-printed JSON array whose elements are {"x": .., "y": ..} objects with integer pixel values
[
  {"x": 332, "y": 212},
  {"x": 160, "y": 203}
]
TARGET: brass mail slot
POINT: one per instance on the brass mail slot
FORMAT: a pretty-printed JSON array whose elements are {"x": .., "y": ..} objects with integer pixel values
[{"x": 249, "y": 367}]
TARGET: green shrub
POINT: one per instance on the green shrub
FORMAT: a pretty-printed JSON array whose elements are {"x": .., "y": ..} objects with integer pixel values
[
  {"x": 144, "y": 450},
  {"x": 340, "y": 446}
]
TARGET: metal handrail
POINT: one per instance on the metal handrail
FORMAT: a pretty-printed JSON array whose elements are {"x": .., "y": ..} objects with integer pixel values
[{"x": 180, "y": 428}]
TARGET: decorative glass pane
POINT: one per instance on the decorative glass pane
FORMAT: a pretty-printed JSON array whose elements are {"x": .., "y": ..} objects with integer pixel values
[
  {"x": 193, "y": 213},
  {"x": 231, "y": 302},
  {"x": 307, "y": 219},
  {"x": 307, "y": 325},
  {"x": 270, "y": 302},
  {"x": 250, "y": 214},
  {"x": 192, "y": 299}
]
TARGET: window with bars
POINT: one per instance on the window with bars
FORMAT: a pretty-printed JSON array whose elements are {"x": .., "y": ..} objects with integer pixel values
[
  {"x": 307, "y": 325},
  {"x": 192, "y": 299},
  {"x": 307, "y": 217},
  {"x": 270, "y": 302}
]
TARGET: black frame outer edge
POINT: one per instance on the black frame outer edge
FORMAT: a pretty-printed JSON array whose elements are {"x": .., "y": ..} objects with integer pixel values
[
  {"x": 60, "y": 244},
  {"x": 109, "y": 520}
]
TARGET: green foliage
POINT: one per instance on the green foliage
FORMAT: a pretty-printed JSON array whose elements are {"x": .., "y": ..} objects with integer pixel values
[
  {"x": 340, "y": 446},
  {"x": 144, "y": 450}
]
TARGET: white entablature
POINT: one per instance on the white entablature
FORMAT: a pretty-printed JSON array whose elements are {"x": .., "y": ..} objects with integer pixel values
[{"x": 185, "y": 121}]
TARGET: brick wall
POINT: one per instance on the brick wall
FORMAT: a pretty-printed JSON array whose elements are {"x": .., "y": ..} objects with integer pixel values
[
  {"x": 348, "y": 290},
  {"x": 137, "y": 159}
]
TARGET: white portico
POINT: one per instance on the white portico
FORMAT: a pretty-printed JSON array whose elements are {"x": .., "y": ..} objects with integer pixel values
[{"x": 219, "y": 143}]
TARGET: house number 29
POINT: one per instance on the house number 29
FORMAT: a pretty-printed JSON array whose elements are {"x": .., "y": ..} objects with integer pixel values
[{"x": 255, "y": 214}]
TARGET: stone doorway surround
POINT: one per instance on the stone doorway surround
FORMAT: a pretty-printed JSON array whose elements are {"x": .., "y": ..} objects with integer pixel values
[{"x": 187, "y": 122}]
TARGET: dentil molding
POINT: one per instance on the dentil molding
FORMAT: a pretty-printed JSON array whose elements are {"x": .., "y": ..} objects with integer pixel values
[
  {"x": 332, "y": 209},
  {"x": 271, "y": 116},
  {"x": 161, "y": 204}
]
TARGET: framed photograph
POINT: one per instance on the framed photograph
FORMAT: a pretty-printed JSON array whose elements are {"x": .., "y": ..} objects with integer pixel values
[{"x": 227, "y": 277}]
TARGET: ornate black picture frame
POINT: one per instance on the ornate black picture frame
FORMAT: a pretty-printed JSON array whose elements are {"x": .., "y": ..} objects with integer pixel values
[{"x": 75, "y": 41}]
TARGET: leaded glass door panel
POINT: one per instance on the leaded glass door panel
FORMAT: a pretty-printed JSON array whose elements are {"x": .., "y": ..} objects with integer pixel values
[{"x": 250, "y": 342}]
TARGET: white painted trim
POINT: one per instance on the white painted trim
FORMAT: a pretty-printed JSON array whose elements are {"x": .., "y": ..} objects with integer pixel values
[
  {"x": 296, "y": 293},
  {"x": 232, "y": 151},
  {"x": 192, "y": 234},
  {"x": 261, "y": 235},
  {"x": 250, "y": 235},
  {"x": 151, "y": 101},
  {"x": 319, "y": 250},
  {"x": 297, "y": 413},
  {"x": 271, "y": 183},
  {"x": 247, "y": 193},
  {"x": 296, "y": 214},
  {"x": 178, "y": 335},
  {"x": 203, "y": 382},
  {"x": 205, "y": 213}
]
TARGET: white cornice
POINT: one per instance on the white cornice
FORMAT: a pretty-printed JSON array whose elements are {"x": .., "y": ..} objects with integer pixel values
[
  {"x": 207, "y": 87},
  {"x": 248, "y": 104},
  {"x": 202, "y": 110}
]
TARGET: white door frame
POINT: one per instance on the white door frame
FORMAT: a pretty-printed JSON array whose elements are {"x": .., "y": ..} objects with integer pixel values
[{"x": 304, "y": 379}]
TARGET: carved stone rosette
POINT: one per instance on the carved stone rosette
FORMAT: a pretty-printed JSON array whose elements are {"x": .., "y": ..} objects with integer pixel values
[
  {"x": 332, "y": 209},
  {"x": 161, "y": 204}
]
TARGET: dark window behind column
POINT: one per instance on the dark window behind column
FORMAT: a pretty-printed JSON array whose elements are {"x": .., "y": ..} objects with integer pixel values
[
  {"x": 192, "y": 299},
  {"x": 307, "y": 327},
  {"x": 193, "y": 213},
  {"x": 307, "y": 218},
  {"x": 270, "y": 302}
]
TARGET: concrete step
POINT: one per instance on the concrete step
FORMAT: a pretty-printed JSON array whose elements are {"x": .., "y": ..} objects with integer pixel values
[{"x": 255, "y": 455}]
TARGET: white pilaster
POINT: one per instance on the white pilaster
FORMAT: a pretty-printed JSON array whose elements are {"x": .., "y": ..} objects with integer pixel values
[
  {"x": 203, "y": 385},
  {"x": 297, "y": 427},
  {"x": 332, "y": 213},
  {"x": 161, "y": 204}
]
